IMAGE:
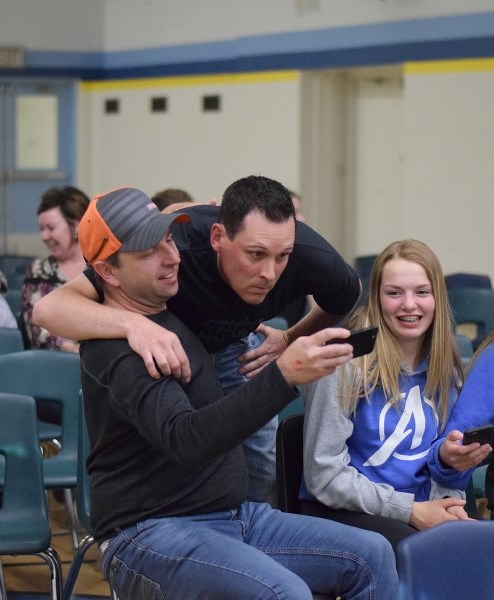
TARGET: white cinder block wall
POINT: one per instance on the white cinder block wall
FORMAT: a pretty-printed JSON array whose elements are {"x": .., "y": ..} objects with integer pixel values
[{"x": 393, "y": 146}]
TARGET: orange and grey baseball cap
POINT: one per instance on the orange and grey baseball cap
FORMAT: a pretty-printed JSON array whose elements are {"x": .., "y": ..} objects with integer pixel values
[{"x": 123, "y": 219}]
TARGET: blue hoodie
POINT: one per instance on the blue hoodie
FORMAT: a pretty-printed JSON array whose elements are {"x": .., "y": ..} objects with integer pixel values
[{"x": 376, "y": 461}]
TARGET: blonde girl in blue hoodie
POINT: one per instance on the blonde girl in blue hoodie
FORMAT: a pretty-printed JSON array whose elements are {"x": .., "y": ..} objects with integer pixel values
[{"x": 369, "y": 426}]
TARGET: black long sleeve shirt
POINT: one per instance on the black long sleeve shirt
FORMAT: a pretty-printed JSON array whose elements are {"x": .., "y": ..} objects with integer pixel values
[{"x": 160, "y": 448}]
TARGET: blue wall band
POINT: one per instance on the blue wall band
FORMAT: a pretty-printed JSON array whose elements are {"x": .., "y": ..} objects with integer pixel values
[{"x": 441, "y": 38}]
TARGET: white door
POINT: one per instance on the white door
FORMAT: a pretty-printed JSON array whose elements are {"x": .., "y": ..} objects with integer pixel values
[{"x": 37, "y": 128}]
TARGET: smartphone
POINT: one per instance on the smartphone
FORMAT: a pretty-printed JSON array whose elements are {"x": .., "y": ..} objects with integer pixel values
[
  {"x": 362, "y": 340},
  {"x": 483, "y": 435}
]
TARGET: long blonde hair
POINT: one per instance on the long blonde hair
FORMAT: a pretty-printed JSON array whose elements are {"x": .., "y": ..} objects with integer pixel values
[{"x": 382, "y": 367}]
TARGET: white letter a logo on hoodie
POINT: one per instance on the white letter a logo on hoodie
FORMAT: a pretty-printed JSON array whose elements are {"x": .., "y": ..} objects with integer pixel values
[{"x": 413, "y": 408}]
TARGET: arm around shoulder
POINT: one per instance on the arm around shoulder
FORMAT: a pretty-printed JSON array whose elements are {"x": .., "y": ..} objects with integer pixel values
[{"x": 68, "y": 311}]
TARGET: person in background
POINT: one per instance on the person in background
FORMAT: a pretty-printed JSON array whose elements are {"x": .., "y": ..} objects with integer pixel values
[
  {"x": 59, "y": 213},
  {"x": 171, "y": 196},
  {"x": 7, "y": 318},
  {"x": 451, "y": 461},
  {"x": 369, "y": 426},
  {"x": 172, "y": 455},
  {"x": 241, "y": 264}
]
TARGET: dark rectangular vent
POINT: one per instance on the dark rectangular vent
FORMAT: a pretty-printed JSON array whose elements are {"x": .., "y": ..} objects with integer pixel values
[
  {"x": 211, "y": 103},
  {"x": 112, "y": 106},
  {"x": 159, "y": 104}
]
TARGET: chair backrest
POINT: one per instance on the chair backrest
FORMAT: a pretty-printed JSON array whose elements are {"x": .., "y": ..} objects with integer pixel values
[
  {"x": 289, "y": 462},
  {"x": 14, "y": 300},
  {"x": 55, "y": 376},
  {"x": 82, "y": 496},
  {"x": 465, "y": 348},
  {"x": 363, "y": 266},
  {"x": 476, "y": 306},
  {"x": 468, "y": 280},
  {"x": 12, "y": 264},
  {"x": 464, "y": 345},
  {"x": 24, "y": 525},
  {"x": 10, "y": 340},
  {"x": 452, "y": 560}
]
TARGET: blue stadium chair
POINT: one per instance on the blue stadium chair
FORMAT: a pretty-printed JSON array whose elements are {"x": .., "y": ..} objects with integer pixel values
[
  {"x": 53, "y": 376},
  {"x": 451, "y": 561},
  {"x": 468, "y": 280},
  {"x": 473, "y": 306},
  {"x": 24, "y": 524},
  {"x": 10, "y": 340}
]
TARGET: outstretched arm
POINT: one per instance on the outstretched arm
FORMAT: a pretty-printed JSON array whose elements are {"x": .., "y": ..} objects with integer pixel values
[{"x": 72, "y": 311}]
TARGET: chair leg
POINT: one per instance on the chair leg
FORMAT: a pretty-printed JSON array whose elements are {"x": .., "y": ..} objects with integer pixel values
[
  {"x": 72, "y": 518},
  {"x": 75, "y": 566},
  {"x": 3, "y": 593},
  {"x": 51, "y": 557}
]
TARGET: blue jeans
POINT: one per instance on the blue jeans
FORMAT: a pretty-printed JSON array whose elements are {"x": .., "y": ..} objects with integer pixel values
[
  {"x": 259, "y": 448},
  {"x": 253, "y": 552}
]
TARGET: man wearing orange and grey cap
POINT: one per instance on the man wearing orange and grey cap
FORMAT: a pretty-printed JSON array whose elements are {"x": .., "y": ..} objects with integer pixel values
[
  {"x": 167, "y": 471},
  {"x": 120, "y": 220}
]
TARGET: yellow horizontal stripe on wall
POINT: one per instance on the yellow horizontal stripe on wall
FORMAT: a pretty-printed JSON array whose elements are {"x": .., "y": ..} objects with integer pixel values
[
  {"x": 450, "y": 66},
  {"x": 193, "y": 80}
]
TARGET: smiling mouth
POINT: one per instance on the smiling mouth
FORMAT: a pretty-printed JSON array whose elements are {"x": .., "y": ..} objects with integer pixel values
[
  {"x": 410, "y": 319},
  {"x": 167, "y": 276}
]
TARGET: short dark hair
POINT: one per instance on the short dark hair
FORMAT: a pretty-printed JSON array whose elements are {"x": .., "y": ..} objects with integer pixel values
[
  {"x": 71, "y": 201},
  {"x": 171, "y": 196},
  {"x": 254, "y": 194}
]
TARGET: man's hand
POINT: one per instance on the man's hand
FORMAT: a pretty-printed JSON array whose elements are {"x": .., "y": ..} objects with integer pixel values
[
  {"x": 462, "y": 458},
  {"x": 432, "y": 512},
  {"x": 159, "y": 348},
  {"x": 255, "y": 360},
  {"x": 309, "y": 358},
  {"x": 171, "y": 208}
]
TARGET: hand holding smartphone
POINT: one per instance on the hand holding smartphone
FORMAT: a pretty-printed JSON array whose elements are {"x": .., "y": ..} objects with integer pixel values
[
  {"x": 482, "y": 435},
  {"x": 362, "y": 340}
]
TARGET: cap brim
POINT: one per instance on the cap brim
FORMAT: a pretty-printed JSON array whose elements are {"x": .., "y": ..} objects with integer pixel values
[{"x": 151, "y": 232}]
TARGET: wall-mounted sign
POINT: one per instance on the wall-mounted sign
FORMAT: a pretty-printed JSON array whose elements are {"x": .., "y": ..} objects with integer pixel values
[{"x": 11, "y": 57}]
